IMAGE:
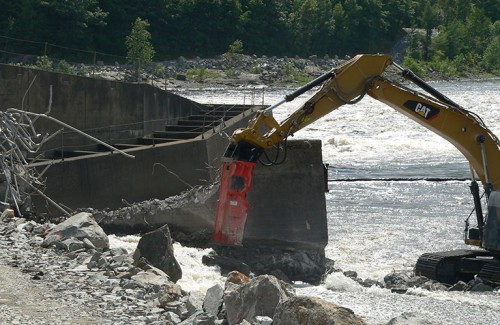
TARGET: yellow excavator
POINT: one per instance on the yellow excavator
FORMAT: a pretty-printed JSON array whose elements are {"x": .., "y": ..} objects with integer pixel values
[{"x": 347, "y": 84}]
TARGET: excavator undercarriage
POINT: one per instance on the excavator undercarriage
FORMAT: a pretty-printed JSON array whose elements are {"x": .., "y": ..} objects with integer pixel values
[{"x": 462, "y": 264}]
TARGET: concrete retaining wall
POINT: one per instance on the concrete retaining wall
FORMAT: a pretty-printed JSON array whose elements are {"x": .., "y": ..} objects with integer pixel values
[
  {"x": 108, "y": 110},
  {"x": 288, "y": 202},
  {"x": 111, "y": 181}
]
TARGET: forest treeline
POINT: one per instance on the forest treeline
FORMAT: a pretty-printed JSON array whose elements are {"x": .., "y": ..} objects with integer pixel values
[{"x": 446, "y": 34}]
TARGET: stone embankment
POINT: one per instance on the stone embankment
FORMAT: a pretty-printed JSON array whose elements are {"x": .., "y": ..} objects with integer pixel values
[
  {"x": 68, "y": 274},
  {"x": 228, "y": 70}
]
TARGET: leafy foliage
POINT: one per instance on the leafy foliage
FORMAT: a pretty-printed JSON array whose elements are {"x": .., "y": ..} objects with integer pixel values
[
  {"x": 449, "y": 31},
  {"x": 65, "y": 67},
  {"x": 44, "y": 63},
  {"x": 140, "y": 51}
]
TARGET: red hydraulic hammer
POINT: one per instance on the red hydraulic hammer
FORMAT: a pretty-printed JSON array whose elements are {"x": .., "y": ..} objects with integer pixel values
[
  {"x": 236, "y": 179},
  {"x": 232, "y": 207},
  {"x": 240, "y": 159}
]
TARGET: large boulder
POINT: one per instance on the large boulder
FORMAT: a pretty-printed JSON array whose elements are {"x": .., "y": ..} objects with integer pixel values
[
  {"x": 258, "y": 297},
  {"x": 293, "y": 264},
  {"x": 302, "y": 310},
  {"x": 155, "y": 248},
  {"x": 81, "y": 226}
]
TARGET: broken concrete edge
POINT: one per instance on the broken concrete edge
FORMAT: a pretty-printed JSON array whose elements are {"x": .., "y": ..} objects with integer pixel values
[
  {"x": 289, "y": 260},
  {"x": 280, "y": 214},
  {"x": 183, "y": 213}
]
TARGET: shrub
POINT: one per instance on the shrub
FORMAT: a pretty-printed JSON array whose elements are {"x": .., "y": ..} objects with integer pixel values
[
  {"x": 65, "y": 67},
  {"x": 414, "y": 65},
  {"x": 44, "y": 63},
  {"x": 200, "y": 74},
  {"x": 491, "y": 56}
]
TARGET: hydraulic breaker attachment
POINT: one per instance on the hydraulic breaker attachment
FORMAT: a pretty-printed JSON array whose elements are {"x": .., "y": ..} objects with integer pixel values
[
  {"x": 232, "y": 207},
  {"x": 235, "y": 182}
]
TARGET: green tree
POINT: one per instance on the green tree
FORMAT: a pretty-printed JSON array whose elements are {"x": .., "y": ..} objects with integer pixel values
[
  {"x": 70, "y": 23},
  {"x": 140, "y": 51},
  {"x": 452, "y": 39},
  {"x": 44, "y": 63},
  {"x": 65, "y": 67},
  {"x": 339, "y": 39},
  {"x": 428, "y": 22},
  {"x": 478, "y": 28},
  {"x": 264, "y": 27},
  {"x": 491, "y": 57}
]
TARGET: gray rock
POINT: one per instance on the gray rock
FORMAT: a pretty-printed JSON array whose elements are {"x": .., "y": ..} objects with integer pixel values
[
  {"x": 412, "y": 318},
  {"x": 156, "y": 248},
  {"x": 79, "y": 226},
  {"x": 172, "y": 317},
  {"x": 459, "y": 286},
  {"x": 171, "y": 292},
  {"x": 302, "y": 310},
  {"x": 200, "y": 318},
  {"x": 147, "y": 278},
  {"x": 196, "y": 299},
  {"x": 212, "y": 303},
  {"x": 88, "y": 244},
  {"x": 179, "y": 308},
  {"x": 481, "y": 287},
  {"x": 259, "y": 297},
  {"x": 7, "y": 215},
  {"x": 73, "y": 244}
]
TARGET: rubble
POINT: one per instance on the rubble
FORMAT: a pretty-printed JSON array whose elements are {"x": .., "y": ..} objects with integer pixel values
[
  {"x": 258, "y": 297},
  {"x": 20, "y": 145},
  {"x": 155, "y": 248},
  {"x": 301, "y": 310},
  {"x": 105, "y": 285}
]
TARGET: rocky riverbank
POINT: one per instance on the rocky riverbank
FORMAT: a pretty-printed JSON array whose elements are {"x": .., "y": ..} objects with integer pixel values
[
  {"x": 237, "y": 70},
  {"x": 68, "y": 274},
  {"x": 228, "y": 70}
]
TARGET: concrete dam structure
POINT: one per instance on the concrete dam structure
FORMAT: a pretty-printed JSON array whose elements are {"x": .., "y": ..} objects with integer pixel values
[{"x": 177, "y": 144}]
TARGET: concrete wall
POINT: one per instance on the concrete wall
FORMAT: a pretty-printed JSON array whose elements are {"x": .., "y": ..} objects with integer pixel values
[
  {"x": 110, "y": 181},
  {"x": 109, "y": 110},
  {"x": 287, "y": 205},
  {"x": 287, "y": 201}
]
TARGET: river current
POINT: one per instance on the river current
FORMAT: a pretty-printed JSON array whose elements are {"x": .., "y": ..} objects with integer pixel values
[{"x": 377, "y": 225}]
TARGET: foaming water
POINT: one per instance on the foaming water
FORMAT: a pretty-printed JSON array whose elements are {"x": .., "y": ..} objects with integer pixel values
[
  {"x": 128, "y": 242},
  {"x": 337, "y": 281},
  {"x": 196, "y": 277}
]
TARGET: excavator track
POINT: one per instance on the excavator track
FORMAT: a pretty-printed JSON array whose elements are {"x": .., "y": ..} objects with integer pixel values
[
  {"x": 491, "y": 272},
  {"x": 452, "y": 266}
]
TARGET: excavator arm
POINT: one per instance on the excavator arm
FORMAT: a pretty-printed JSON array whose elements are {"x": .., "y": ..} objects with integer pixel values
[{"x": 347, "y": 84}]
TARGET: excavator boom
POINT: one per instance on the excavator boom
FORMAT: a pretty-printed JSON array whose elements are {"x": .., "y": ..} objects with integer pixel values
[{"x": 348, "y": 84}]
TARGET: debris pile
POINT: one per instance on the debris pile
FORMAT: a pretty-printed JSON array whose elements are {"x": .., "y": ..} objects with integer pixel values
[
  {"x": 18, "y": 179},
  {"x": 19, "y": 151},
  {"x": 114, "y": 286}
]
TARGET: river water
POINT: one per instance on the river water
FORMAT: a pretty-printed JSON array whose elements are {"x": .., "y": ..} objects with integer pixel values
[{"x": 377, "y": 226}]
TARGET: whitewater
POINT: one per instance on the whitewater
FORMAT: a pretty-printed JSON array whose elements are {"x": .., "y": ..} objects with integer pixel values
[{"x": 376, "y": 225}]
